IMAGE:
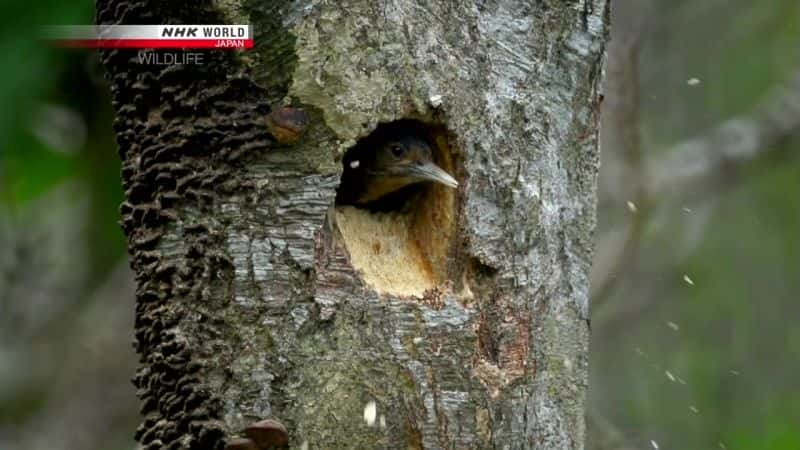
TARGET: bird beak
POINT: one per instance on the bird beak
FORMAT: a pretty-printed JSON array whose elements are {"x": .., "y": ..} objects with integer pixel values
[{"x": 431, "y": 172}]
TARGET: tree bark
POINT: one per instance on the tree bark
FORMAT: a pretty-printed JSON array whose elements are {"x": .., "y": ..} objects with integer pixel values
[{"x": 256, "y": 298}]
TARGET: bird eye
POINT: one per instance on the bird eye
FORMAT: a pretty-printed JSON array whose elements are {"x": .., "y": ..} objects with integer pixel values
[{"x": 397, "y": 150}]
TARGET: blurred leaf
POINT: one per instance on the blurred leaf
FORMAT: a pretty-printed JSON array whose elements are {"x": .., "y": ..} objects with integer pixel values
[
  {"x": 30, "y": 69},
  {"x": 30, "y": 169}
]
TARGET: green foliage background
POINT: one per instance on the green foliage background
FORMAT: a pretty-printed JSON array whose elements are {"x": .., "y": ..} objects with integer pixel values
[
  {"x": 735, "y": 356},
  {"x": 64, "y": 367},
  {"x": 36, "y": 74}
]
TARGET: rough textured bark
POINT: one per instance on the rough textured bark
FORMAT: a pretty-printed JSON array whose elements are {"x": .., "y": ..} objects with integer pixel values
[{"x": 248, "y": 304}]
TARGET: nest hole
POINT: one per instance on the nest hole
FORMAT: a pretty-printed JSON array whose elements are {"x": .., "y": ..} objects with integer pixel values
[{"x": 401, "y": 243}]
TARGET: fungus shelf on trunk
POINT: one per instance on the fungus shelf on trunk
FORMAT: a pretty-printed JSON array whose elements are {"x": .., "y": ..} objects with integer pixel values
[{"x": 396, "y": 207}]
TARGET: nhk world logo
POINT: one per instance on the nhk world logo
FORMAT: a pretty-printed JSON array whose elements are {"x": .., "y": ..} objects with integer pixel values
[
  {"x": 209, "y": 31},
  {"x": 186, "y": 37}
]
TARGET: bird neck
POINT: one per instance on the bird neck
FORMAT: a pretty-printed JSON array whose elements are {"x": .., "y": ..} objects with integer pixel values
[{"x": 379, "y": 186}]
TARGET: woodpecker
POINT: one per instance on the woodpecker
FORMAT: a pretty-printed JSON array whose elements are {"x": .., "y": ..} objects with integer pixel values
[{"x": 378, "y": 168}]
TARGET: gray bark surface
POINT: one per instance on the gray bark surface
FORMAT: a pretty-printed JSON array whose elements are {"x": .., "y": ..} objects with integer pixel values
[{"x": 248, "y": 305}]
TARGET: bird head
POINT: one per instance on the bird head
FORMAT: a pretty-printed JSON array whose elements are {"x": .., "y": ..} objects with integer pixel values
[
  {"x": 400, "y": 162},
  {"x": 385, "y": 164}
]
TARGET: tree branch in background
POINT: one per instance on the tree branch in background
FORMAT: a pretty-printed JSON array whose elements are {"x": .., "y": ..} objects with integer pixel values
[
  {"x": 622, "y": 133},
  {"x": 734, "y": 143},
  {"x": 622, "y": 129},
  {"x": 706, "y": 160}
]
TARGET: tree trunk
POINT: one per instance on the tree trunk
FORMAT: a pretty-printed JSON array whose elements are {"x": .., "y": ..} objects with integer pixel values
[{"x": 463, "y": 319}]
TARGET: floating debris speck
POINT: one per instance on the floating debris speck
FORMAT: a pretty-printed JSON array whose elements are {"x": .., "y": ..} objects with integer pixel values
[
  {"x": 688, "y": 280},
  {"x": 370, "y": 413},
  {"x": 693, "y": 81},
  {"x": 673, "y": 325}
]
